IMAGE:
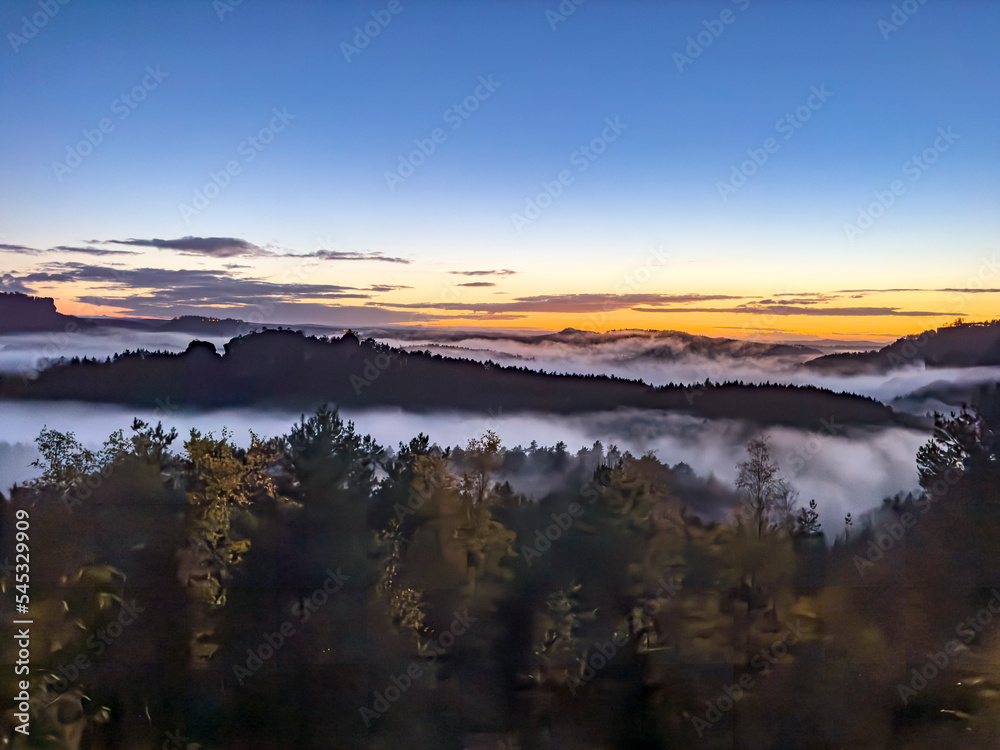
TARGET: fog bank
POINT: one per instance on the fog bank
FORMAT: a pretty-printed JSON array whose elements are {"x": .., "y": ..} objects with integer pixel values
[{"x": 850, "y": 471}]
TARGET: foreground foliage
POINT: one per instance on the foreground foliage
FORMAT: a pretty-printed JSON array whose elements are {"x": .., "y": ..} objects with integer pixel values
[{"x": 317, "y": 590}]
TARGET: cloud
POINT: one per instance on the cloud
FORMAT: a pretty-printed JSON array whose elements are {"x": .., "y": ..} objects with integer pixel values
[
  {"x": 154, "y": 291},
  {"x": 484, "y": 316},
  {"x": 351, "y": 255},
  {"x": 9, "y": 283},
  {"x": 477, "y": 283},
  {"x": 797, "y": 301},
  {"x": 354, "y": 316},
  {"x": 91, "y": 250},
  {"x": 501, "y": 272},
  {"x": 232, "y": 247},
  {"x": 20, "y": 249},
  {"x": 758, "y": 309},
  {"x": 387, "y": 287},
  {"x": 822, "y": 295},
  {"x": 569, "y": 303},
  {"x": 801, "y": 298},
  {"x": 961, "y": 291},
  {"x": 214, "y": 247},
  {"x": 341, "y": 315}
]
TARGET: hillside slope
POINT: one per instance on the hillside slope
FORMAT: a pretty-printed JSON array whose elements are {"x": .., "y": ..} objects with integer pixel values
[
  {"x": 286, "y": 367},
  {"x": 964, "y": 345}
]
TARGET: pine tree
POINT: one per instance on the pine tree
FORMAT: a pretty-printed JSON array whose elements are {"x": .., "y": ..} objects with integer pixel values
[{"x": 808, "y": 521}]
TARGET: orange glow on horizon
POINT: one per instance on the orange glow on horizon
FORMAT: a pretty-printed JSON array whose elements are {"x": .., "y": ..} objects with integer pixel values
[
  {"x": 82, "y": 309},
  {"x": 716, "y": 324},
  {"x": 720, "y": 325}
]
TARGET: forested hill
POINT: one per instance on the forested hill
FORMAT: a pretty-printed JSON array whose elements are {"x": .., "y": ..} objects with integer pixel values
[
  {"x": 628, "y": 343},
  {"x": 957, "y": 345},
  {"x": 286, "y": 367}
]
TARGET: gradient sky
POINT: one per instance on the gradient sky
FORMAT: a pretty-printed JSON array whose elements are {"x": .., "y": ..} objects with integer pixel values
[{"x": 641, "y": 237}]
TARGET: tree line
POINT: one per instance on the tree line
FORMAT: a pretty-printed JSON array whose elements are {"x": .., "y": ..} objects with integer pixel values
[{"x": 316, "y": 588}]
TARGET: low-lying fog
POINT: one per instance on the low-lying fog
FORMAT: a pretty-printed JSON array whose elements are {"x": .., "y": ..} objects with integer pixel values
[
  {"x": 26, "y": 352},
  {"x": 632, "y": 358},
  {"x": 848, "y": 472},
  {"x": 657, "y": 359}
]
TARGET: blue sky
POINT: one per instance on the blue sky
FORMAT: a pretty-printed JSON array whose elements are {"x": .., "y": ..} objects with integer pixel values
[{"x": 321, "y": 182}]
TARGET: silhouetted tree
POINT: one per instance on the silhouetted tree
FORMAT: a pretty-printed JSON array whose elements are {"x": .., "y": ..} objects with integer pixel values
[
  {"x": 760, "y": 485},
  {"x": 807, "y": 523}
]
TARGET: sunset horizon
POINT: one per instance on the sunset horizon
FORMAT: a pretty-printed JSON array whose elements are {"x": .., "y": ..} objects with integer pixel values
[{"x": 478, "y": 298}]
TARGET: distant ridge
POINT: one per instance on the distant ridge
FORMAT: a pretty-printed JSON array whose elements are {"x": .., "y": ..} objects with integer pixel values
[
  {"x": 196, "y": 324},
  {"x": 288, "y": 368},
  {"x": 646, "y": 344},
  {"x": 957, "y": 345},
  {"x": 22, "y": 313}
]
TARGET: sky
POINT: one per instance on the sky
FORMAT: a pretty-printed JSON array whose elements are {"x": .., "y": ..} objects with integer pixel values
[{"x": 732, "y": 168}]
